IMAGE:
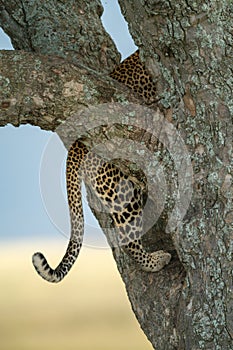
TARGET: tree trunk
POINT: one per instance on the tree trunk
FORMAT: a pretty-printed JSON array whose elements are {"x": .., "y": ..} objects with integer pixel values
[{"x": 187, "y": 47}]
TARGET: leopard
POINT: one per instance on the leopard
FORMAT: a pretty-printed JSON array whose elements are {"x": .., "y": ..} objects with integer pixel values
[
  {"x": 118, "y": 193},
  {"x": 133, "y": 73}
]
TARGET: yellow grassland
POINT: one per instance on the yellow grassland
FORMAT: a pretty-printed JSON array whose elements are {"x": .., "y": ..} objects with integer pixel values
[{"x": 88, "y": 310}]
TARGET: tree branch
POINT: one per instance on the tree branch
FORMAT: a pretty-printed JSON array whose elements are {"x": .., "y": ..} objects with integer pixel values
[
  {"x": 45, "y": 90},
  {"x": 187, "y": 46},
  {"x": 61, "y": 28}
]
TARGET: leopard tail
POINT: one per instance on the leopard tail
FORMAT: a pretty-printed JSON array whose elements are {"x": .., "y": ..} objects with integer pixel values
[{"x": 75, "y": 160}]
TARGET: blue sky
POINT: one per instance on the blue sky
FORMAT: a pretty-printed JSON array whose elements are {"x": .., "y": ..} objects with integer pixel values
[{"x": 23, "y": 212}]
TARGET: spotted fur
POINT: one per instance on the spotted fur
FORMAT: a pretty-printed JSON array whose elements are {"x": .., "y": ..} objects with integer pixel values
[
  {"x": 133, "y": 73},
  {"x": 120, "y": 196}
]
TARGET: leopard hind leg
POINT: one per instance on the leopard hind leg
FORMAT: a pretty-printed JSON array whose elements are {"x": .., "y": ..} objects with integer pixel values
[
  {"x": 130, "y": 230},
  {"x": 150, "y": 262}
]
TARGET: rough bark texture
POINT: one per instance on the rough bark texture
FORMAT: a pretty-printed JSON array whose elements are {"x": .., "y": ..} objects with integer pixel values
[
  {"x": 45, "y": 90},
  {"x": 62, "y": 28},
  {"x": 191, "y": 43},
  {"x": 188, "y": 48}
]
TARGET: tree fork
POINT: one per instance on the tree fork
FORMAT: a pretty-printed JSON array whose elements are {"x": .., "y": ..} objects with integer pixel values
[{"x": 188, "y": 49}]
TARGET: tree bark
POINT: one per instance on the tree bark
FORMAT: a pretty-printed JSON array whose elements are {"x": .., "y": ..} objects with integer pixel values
[
  {"x": 46, "y": 90},
  {"x": 187, "y": 47}
]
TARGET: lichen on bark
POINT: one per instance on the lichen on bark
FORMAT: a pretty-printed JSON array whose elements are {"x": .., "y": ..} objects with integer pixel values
[{"x": 187, "y": 47}]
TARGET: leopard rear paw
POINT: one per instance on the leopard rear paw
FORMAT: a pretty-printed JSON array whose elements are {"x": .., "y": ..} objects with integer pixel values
[{"x": 156, "y": 261}]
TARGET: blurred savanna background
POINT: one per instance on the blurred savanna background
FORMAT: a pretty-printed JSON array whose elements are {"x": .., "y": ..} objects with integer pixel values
[{"x": 89, "y": 309}]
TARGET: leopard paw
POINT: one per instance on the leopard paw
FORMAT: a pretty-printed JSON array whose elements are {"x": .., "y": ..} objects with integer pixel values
[{"x": 156, "y": 261}]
